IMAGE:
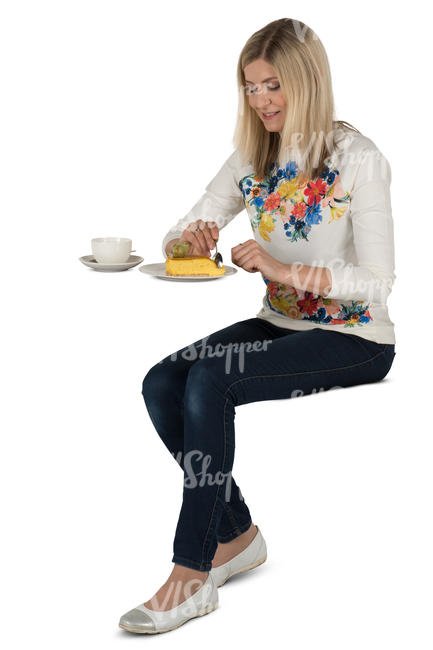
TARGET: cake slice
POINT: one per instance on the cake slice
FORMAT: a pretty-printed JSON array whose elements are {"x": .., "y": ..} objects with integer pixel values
[{"x": 197, "y": 265}]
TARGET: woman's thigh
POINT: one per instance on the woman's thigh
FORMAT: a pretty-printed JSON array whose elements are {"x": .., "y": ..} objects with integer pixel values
[
  {"x": 170, "y": 374},
  {"x": 288, "y": 365}
]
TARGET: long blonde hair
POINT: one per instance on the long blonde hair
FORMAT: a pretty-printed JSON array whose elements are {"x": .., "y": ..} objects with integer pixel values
[{"x": 302, "y": 66}]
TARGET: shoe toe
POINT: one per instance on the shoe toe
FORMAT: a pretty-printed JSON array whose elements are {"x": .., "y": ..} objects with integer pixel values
[{"x": 137, "y": 621}]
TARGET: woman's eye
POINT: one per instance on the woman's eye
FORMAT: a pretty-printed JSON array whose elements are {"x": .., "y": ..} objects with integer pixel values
[{"x": 253, "y": 90}]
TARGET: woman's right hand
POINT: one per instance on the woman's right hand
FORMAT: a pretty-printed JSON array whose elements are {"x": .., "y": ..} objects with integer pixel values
[{"x": 202, "y": 236}]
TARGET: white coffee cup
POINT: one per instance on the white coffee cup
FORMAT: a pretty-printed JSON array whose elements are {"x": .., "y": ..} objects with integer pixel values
[{"x": 111, "y": 250}]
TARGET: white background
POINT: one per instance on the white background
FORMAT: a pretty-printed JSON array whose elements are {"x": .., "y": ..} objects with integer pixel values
[{"x": 114, "y": 117}]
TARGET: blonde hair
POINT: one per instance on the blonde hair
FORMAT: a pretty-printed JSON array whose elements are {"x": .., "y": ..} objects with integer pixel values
[{"x": 302, "y": 66}]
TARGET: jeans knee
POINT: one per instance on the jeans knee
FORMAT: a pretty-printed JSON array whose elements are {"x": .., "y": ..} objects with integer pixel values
[
  {"x": 201, "y": 373},
  {"x": 201, "y": 387},
  {"x": 153, "y": 383}
]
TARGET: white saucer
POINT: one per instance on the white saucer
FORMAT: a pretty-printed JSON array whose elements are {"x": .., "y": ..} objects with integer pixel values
[
  {"x": 90, "y": 261},
  {"x": 158, "y": 271}
]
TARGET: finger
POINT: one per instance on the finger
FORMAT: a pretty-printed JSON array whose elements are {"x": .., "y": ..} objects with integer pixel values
[
  {"x": 208, "y": 237},
  {"x": 192, "y": 227},
  {"x": 247, "y": 245},
  {"x": 204, "y": 229},
  {"x": 250, "y": 263},
  {"x": 242, "y": 249},
  {"x": 241, "y": 258},
  {"x": 202, "y": 243},
  {"x": 214, "y": 230},
  {"x": 236, "y": 249},
  {"x": 244, "y": 259},
  {"x": 188, "y": 235},
  {"x": 198, "y": 240}
]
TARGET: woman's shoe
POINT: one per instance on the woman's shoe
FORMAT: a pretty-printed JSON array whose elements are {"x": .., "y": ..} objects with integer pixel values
[
  {"x": 143, "y": 620},
  {"x": 253, "y": 555}
]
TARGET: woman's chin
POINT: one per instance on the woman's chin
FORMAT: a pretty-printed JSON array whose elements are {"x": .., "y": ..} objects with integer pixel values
[{"x": 272, "y": 127}]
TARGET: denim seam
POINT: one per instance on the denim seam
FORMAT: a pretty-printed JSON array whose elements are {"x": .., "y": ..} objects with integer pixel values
[
  {"x": 289, "y": 374},
  {"x": 229, "y": 511},
  {"x": 231, "y": 516},
  {"x": 218, "y": 489},
  {"x": 306, "y": 372}
]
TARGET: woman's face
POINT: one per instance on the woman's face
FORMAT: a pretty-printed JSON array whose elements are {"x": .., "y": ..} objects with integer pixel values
[{"x": 264, "y": 94}]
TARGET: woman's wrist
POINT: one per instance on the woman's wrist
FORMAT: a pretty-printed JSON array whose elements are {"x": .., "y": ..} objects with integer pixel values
[
  {"x": 315, "y": 279},
  {"x": 286, "y": 274}
]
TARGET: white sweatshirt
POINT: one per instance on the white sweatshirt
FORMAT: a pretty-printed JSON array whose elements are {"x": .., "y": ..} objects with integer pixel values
[{"x": 343, "y": 222}]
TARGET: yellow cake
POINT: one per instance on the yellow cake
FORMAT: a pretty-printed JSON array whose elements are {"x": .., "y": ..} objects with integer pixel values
[{"x": 198, "y": 265}]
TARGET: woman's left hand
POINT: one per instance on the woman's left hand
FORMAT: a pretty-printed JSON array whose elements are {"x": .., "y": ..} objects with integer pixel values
[{"x": 252, "y": 257}]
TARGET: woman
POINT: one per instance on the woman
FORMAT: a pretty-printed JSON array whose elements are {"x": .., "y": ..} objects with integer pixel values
[{"x": 320, "y": 212}]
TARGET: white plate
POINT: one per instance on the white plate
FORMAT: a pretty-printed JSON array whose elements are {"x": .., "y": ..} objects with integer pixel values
[
  {"x": 90, "y": 261},
  {"x": 158, "y": 271}
]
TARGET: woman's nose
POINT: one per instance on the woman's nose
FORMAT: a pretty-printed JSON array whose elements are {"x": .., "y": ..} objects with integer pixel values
[{"x": 262, "y": 99}]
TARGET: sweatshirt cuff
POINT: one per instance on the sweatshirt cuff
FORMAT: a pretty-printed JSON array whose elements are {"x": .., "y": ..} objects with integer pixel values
[{"x": 337, "y": 283}]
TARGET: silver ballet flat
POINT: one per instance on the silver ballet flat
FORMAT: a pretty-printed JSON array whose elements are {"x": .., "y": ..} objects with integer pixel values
[
  {"x": 252, "y": 556},
  {"x": 143, "y": 620}
]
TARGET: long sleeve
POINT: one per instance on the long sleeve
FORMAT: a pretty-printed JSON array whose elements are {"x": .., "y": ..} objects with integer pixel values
[
  {"x": 373, "y": 235},
  {"x": 221, "y": 202}
]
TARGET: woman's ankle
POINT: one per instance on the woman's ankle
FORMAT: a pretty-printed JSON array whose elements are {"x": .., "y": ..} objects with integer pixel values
[{"x": 181, "y": 571}]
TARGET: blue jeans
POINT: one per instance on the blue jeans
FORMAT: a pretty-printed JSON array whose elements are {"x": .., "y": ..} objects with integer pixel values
[{"x": 191, "y": 397}]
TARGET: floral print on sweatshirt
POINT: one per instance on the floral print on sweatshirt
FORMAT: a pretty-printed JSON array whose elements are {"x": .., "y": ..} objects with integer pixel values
[
  {"x": 305, "y": 305},
  {"x": 299, "y": 203},
  {"x": 285, "y": 194}
]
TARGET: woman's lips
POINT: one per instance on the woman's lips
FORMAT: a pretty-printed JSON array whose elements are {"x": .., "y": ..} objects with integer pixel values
[{"x": 269, "y": 117}]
